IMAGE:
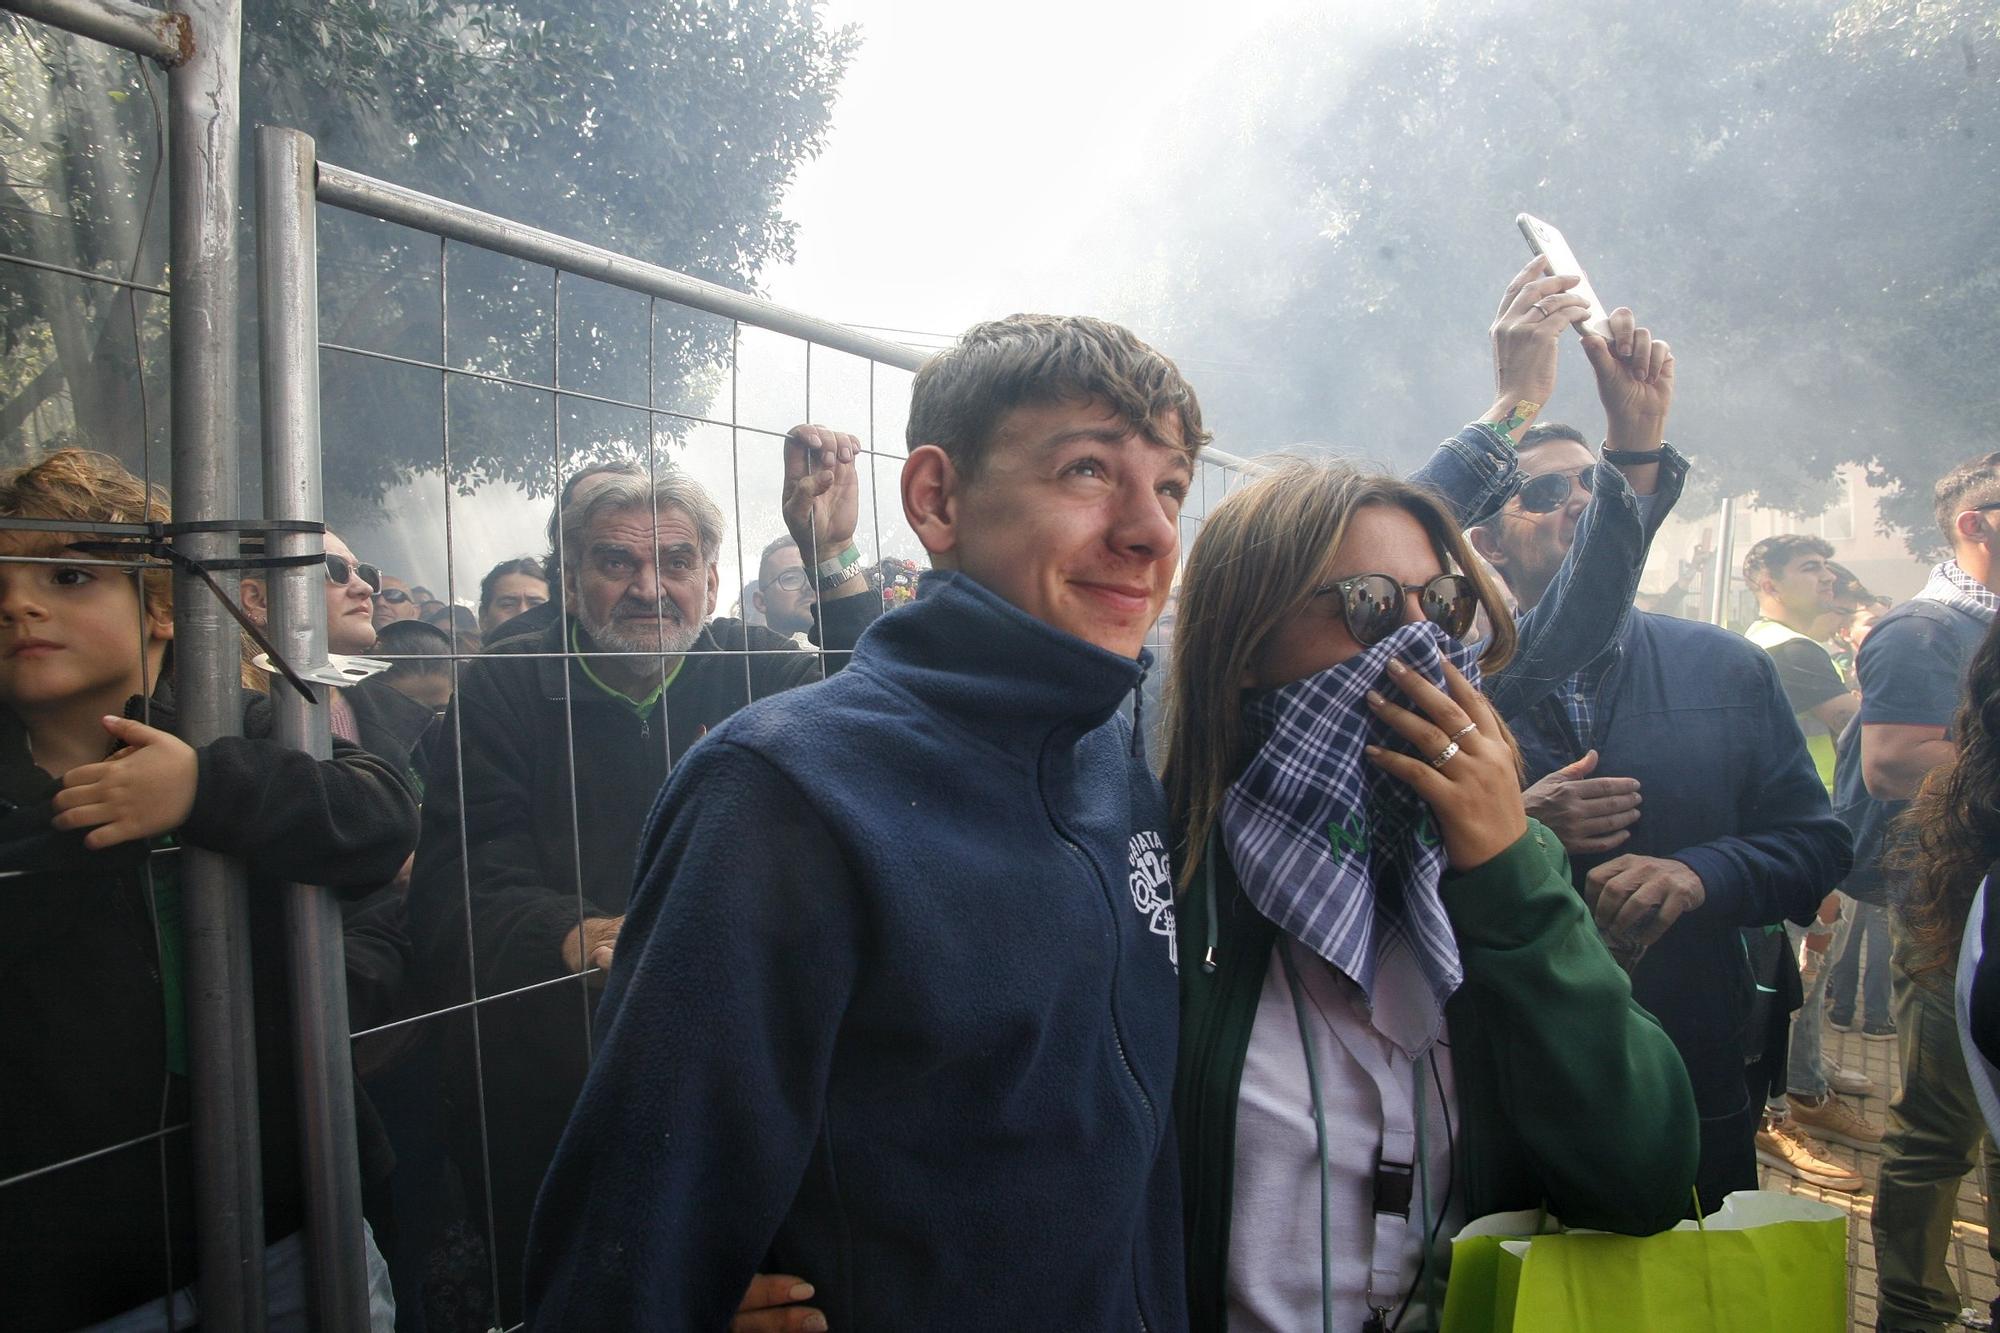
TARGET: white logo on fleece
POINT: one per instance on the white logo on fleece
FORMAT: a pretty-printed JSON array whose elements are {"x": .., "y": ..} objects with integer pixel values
[{"x": 1152, "y": 889}]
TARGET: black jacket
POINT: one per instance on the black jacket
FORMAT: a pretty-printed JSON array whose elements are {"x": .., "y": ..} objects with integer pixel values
[
  {"x": 542, "y": 843},
  {"x": 1697, "y": 715},
  {"x": 83, "y": 1049}
]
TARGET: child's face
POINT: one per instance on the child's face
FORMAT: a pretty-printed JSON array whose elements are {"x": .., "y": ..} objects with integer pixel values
[{"x": 72, "y": 632}]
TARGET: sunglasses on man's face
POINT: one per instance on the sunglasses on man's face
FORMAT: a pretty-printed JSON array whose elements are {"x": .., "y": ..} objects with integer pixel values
[
  {"x": 1550, "y": 491},
  {"x": 393, "y": 596},
  {"x": 1372, "y": 604},
  {"x": 339, "y": 569}
]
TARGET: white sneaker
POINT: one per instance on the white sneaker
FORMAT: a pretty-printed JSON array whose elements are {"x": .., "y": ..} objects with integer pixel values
[{"x": 1853, "y": 1082}]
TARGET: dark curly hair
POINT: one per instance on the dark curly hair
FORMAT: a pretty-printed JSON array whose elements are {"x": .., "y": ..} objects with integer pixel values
[{"x": 1950, "y": 834}]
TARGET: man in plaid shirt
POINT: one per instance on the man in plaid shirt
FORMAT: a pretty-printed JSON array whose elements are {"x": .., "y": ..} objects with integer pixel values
[{"x": 1705, "y": 814}]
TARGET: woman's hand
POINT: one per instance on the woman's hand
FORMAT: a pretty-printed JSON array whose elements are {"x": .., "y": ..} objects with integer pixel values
[
  {"x": 772, "y": 1305},
  {"x": 1476, "y": 794}
]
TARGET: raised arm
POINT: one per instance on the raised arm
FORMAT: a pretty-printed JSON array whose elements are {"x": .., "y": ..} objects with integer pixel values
[
  {"x": 1584, "y": 609},
  {"x": 1474, "y": 471},
  {"x": 822, "y": 507}
]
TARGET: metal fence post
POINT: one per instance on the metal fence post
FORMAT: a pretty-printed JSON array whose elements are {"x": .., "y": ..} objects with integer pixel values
[
  {"x": 1722, "y": 564},
  {"x": 203, "y": 99},
  {"x": 142, "y": 29},
  {"x": 288, "y": 322}
]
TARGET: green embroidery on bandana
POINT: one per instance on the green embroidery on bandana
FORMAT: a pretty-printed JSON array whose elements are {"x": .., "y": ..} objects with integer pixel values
[
  {"x": 1351, "y": 837},
  {"x": 1427, "y": 833}
]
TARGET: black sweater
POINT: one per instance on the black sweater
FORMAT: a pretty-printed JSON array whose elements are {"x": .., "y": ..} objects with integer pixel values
[
  {"x": 83, "y": 1050},
  {"x": 542, "y": 841}
]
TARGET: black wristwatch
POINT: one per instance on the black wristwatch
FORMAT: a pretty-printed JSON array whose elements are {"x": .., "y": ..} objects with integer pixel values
[{"x": 1630, "y": 457}]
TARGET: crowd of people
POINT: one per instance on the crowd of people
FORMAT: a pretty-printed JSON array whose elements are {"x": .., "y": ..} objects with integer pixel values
[{"x": 907, "y": 945}]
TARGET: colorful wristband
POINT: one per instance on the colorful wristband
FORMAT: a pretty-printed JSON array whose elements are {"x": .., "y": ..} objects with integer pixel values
[{"x": 839, "y": 567}]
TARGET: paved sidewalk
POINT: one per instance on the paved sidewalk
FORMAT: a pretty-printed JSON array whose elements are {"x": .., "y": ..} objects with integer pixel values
[{"x": 1971, "y": 1266}]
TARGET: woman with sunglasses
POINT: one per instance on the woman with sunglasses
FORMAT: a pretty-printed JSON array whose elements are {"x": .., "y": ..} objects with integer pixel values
[{"x": 1396, "y": 1013}]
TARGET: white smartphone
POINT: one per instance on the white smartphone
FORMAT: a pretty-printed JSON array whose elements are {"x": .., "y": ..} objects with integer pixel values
[{"x": 1546, "y": 241}]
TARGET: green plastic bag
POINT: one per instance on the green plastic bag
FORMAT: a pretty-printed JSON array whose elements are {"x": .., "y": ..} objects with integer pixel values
[
  {"x": 1763, "y": 1261},
  {"x": 1471, "y": 1299}
]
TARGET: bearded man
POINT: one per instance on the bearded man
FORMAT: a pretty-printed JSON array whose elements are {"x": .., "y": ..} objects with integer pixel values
[{"x": 542, "y": 775}]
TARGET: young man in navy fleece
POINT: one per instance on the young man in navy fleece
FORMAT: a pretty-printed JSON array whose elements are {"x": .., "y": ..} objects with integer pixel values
[{"x": 922, "y": 1057}]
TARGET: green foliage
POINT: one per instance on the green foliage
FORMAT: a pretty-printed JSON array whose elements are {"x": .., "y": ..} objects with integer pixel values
[
  {"x": 1802, "y": 199},
  {"x": 81, "y": 139},
  {"x": 667, "y": 131}
]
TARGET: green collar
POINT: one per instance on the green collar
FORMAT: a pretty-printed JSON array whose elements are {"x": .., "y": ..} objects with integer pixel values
[{"x": 642, "y": 708}]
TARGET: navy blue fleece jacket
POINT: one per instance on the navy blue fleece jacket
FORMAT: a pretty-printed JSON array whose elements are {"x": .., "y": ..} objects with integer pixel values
[
  {"x": 894, "y": 1007},
  {"x": 1698, "y": 716}
]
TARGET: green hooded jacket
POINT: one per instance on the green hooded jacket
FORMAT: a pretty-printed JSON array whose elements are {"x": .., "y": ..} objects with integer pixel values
[{"x": 1569, "y": 1094}]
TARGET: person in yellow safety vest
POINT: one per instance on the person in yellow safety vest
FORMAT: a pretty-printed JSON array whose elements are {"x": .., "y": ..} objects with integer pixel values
[
  {"x": 1794, "y": 580},
  {"x": 1797, "y": 587}
]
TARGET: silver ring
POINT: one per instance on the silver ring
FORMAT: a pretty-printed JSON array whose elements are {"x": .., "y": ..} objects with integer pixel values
[
  {"x": 1446, "y": 755},
  {"x": 1537, "y": 305},
  {"x": 1462, "y": 732}
]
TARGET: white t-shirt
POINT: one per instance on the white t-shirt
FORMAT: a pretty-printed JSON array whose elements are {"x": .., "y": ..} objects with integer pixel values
[{"x": 1274, "y": 1228}]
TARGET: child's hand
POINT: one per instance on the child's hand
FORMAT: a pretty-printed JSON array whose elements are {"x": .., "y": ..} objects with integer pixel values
[{"x": 144, "y": 789}]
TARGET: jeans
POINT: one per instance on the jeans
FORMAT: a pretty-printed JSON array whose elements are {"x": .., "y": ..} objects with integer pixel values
[
  {"x": 284, "y": 1296},
  {"x": 1935, "y": 1135},
  {"x": 1871, "y": 932},
  {"x": 1805, "y": 1071}
]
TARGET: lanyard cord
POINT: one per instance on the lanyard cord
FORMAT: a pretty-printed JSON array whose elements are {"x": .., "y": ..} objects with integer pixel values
[
  {"x": 1319, "y": 1132},
  {"x": 1425, "y": 1278}
]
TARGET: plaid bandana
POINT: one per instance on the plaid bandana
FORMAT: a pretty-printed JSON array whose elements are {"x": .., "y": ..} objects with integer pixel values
[
  {"x": 1337, "y": 853},
  {"x": 1954, "y": 587}
]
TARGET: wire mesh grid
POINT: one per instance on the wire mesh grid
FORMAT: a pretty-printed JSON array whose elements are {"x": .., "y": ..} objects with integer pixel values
[
  {"x": 515, "y": 1032},
  {"x": 84, "y": 252},
  {"x": 721, "y": 420}
]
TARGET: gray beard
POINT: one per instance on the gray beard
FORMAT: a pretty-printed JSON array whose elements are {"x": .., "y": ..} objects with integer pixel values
[{"x": 673, "y": 636}]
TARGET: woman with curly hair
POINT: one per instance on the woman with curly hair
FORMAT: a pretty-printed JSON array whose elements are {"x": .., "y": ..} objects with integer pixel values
[{"x": 1950, "y": 846}]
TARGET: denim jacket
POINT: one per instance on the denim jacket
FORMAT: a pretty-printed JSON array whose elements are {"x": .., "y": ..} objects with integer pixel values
[{"x": 1584, "y": 610}]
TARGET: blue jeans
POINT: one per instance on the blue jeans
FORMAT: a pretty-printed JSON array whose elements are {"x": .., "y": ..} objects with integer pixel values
[
  {"x": 1870, "y": 933},
  {"x": 1805, "y": 1071}
]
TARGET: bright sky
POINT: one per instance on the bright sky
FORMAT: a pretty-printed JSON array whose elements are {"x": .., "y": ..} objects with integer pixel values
[
  {"x": 986, "y": 159},
  {"x": 983, "y": 160}
]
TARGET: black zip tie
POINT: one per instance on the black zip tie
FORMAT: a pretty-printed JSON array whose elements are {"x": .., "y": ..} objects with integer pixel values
[
  {"x": 157, "y": 531},
  {"x": 158, "y": 548}
]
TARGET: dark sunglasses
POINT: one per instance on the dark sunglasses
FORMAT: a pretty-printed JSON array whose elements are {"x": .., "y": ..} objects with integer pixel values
[
  {"x": 1372, "y": 604},
  {"x": 1550, "y": 491},
  {"x": 393, "y": 596},
  {"x": 339, "y": 569}
]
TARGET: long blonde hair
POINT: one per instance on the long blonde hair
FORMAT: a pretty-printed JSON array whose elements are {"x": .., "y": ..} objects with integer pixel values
[{"x": 1256, "y": 563}]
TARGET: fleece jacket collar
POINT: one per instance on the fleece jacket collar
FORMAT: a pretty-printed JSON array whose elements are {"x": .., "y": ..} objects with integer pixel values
[{"x": 1009, "y": 679}]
